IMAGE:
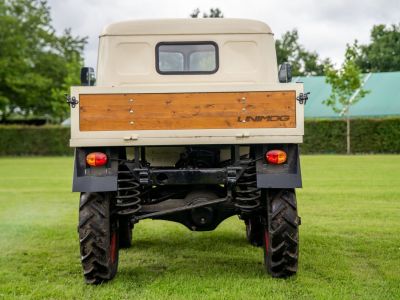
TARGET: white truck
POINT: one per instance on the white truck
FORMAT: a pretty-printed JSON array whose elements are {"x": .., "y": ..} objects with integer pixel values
[{"x": 190, "y": 121}]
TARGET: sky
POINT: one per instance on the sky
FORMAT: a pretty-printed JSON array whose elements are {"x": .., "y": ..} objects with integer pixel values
[{"x": 324, "y": 26}]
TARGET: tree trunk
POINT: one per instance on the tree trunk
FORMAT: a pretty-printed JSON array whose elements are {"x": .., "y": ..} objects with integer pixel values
[{"x": 348, "y": 132}]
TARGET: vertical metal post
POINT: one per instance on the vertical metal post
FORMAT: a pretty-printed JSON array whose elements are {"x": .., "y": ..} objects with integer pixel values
[
  {"x": 235, "y": 154},
  {"x": 137, "y": 155},
  {"x": 143, "y": 154}
]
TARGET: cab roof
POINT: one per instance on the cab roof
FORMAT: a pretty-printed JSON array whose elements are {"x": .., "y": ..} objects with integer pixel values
[{"x": 186, "y": 26}]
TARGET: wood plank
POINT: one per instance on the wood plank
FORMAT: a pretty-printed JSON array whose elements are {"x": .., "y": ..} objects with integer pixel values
[{"x": 174, "y": 111}]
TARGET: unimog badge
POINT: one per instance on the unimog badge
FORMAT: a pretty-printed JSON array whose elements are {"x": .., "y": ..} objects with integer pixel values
[{"x": 262, "y": 118}]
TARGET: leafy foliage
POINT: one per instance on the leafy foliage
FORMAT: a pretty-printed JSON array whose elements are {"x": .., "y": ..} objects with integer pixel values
[
  {"x": 214, "y": 13},
  {"x": 329, "y": 136},
  {"x": 347, "y": 87},
  {"x": 346, "y": 83},
  {"x": 383, "y": 52},
  {"x": 303, "y": 62},
  {"x": 34, "y": 140},
  {"x": 36, "y": 65}
]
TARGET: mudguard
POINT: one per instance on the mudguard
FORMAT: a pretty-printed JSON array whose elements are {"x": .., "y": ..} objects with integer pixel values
[
  {"x": 95, "y": 179},
  {"x": 287, "y": 175}
]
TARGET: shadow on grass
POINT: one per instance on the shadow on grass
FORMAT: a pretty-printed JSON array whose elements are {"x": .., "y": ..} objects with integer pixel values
[{"x": 218, "y": 254}]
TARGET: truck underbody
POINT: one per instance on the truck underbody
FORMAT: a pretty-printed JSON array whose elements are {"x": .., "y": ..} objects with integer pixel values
[{"x": 200, "y": 190}]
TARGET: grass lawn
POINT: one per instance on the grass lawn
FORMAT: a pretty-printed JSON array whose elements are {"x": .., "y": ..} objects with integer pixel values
[{"x": 350, "y": 240}]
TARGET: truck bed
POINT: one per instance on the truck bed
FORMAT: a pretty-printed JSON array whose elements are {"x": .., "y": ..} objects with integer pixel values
[{"x": 109, "y": 116}]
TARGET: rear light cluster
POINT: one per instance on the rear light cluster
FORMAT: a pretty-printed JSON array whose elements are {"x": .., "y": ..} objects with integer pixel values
[
  {"x": 96, "y": 159},
  {"x": 276, "y": 157}
]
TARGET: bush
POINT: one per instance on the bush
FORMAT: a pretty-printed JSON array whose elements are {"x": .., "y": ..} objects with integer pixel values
[
  {"x": 367, "y": 136},
  {"x": 34, "y": 140},
  {"x": 321, "y": 136}
]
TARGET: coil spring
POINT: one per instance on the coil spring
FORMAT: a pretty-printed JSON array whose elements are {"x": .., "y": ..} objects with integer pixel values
[
  {"x": 247, "y": 194},
  {"x": 128, "y": 194}
]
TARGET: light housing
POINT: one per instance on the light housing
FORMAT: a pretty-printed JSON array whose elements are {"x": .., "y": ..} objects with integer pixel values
[
  {"x": 276, "y": 157},
  {"x": 96, "y": 159}
]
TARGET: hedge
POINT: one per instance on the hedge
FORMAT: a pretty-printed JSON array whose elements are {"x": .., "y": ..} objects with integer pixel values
[
  {"x": 34, "y": 140},
  {"x": 367, "y": 136},
  {"x": 321, "y": 136}
]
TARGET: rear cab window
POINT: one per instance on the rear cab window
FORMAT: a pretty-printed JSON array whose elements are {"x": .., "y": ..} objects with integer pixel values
[{"x": 186, "y": 58}]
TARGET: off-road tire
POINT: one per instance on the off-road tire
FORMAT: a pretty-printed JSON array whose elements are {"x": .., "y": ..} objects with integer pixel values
[
  {"x": 98, "y": 237},
  {"x": 281, "y": 236},
  {"x": 125, "y": 233},
  {"x": 254, "y": 231}
]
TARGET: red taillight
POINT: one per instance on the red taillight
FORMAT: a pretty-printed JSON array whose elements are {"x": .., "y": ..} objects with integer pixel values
[
  {"x": 96, "y": 159},
  {"x": 276, "y": 157}
]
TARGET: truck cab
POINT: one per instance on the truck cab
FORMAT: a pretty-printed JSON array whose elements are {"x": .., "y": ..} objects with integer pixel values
[{"x": 190, "y": 121}]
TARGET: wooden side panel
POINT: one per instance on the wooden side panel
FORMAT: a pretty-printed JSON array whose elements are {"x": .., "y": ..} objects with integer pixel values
[{"x": 174, "y": 111}]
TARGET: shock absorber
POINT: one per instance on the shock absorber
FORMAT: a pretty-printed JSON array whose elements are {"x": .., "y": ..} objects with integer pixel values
[
  {"x": 128, "y": 194},
  {"x": 247, "y": 194}
]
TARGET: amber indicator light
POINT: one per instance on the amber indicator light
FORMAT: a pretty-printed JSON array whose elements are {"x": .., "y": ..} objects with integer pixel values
[
  {"x": 276, "y": 157},
  {"x": 96, "y": 159}
]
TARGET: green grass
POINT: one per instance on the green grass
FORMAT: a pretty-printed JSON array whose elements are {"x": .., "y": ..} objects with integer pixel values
[{"x": 350, "y": 240}]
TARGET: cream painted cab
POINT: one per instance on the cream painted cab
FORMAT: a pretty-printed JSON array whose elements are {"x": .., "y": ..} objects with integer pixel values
[{"x": 185, "y": 56}]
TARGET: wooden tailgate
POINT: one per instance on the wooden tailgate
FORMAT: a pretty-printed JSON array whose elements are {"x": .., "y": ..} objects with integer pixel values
[{"x": 175, "y": 111}]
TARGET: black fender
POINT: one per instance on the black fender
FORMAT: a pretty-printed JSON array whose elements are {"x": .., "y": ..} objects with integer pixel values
[
  {"x": 287, "y": 175},
  {"x": 96, "y": 179}
]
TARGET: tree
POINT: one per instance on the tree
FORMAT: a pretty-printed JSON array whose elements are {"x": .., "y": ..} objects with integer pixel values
[
  {"x": 383, "y": 52},
  {"x": 214, "y": 13},
  {"x": 36, "y": 65},
  {"x": 347, "y": 87},
  {"x": 304, "y": 63}
]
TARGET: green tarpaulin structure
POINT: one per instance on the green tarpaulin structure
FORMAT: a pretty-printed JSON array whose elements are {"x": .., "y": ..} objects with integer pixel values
[{"x": 382, "y": 101}]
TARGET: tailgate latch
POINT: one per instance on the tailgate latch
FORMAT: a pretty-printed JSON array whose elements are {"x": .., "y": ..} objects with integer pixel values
[
  {"x": 303, "y": 97},
  {"x": 71, "y": 100},
  {"x": 242, "y": 135},
  {"x": 131, "y": 138}
]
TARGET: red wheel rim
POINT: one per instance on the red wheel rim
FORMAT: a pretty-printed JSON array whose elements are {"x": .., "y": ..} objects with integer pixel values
[
  {"x": 113, "y": 247},
  {"x": 266, "y": 241}
]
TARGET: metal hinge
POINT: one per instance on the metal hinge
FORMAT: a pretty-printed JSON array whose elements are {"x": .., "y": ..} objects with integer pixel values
[
  {"x": 71, "y": 100},
  {"x": 303, "y": 97}
]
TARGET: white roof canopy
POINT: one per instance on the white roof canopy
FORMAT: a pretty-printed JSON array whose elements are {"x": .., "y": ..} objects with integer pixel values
[{"x": 187, "y": 26}]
